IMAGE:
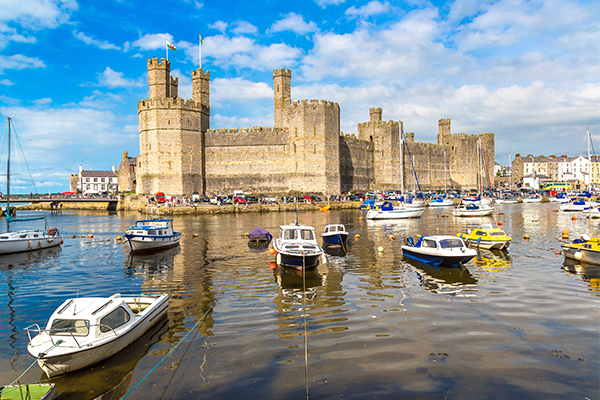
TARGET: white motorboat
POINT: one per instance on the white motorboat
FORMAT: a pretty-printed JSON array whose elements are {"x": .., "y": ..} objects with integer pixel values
[
  {"x": 151, "y": 235},
  {"x": 439, "y": 250},
  {"x": 297, "y": 247},
  {"x": 507, "y": 199},
  {"x": 575, "y": 205},
  {"x": 478, "y": 201},
  {"x": 84, "y": 331},
  {"x": 592, "y": 212},
  {"x": 473, "y": 210},
  {"x": 441, "y": 202},
  {"x": 389, "y": 211},
  {"x": 23, "y": 240},
  {"x": 532, "y": 199},
  {"x": 586, "y": 250}
]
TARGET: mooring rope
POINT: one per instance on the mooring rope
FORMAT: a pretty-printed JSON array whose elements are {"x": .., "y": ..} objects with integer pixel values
[
  {"x": 305, "y": 337},
  {"x": 173, "y": 348}
]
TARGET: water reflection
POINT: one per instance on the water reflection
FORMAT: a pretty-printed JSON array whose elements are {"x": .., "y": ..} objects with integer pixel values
[
  {"x": 445, "y": 280},
  {"x": 27, "y": 258},
  {"x": 589, "y": 273},
  {"x": 336, "y": 250},
  {"x": 157, "y": 263},
  {"x": 110, "y": 378},
  {"x": 293, "y": 286},
  {"x": 492, "y": 260}
]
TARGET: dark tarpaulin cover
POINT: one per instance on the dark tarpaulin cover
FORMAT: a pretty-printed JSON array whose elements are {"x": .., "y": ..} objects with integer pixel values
[{"x": 259, "y": 233}]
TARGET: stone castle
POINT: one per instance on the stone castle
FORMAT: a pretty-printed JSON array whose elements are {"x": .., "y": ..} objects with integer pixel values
[{"x": 304, "y": 152}]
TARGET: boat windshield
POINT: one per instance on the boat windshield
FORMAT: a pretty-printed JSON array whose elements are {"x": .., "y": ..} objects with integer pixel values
[
  {"x": 497, "y": 233},
  {"x": 451, "y": 243},
  {"x": 66, "y": 327},
  {"x": 306, "y": 234},
  {"x": 289, "y": 234}
]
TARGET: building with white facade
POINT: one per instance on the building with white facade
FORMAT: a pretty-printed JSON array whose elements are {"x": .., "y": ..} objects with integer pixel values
[{"x": 97, "y": 182}]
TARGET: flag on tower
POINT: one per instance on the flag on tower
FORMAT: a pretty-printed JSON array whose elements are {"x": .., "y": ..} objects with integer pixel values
[
  {"x": 169, "y": 45},
  {"x": 201, "y": 40}
]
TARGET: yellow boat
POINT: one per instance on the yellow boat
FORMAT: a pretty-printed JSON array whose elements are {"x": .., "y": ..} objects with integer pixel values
[
  {"x": 486, "y": 237},
  {"x": 586, "y": 250}
]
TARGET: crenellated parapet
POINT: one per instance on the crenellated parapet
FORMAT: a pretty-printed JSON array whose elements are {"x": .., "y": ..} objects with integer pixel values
[
  {"x": 169, "y": 103},
  {"x": 255, "y": 136},
  {"x": 201, "y": 86},
  {"x": 314, "y": 104}
]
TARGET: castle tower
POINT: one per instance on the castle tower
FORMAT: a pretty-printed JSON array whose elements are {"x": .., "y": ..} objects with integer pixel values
[
  {"x": 385, "y": 137},
  {"x": 282, "y": 89},
  {"x": 159, "y": 78},
  {"x": 172, "y": 131},
  {"x": 313, "y": 161},
  {"x": 443, "y": 129},
  {"x": 201, "y": 86}
]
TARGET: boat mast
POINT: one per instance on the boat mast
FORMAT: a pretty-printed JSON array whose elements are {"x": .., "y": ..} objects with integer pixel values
[
  {"x": 445, "y": 186},
  {"x": 8, "y": 174},
  {"x": 402, "y": 161},
  {"x": 510, "y": 171},
  {"x": 589, "y": 162}
]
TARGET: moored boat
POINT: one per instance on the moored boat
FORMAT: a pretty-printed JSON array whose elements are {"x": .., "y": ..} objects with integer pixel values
[
  {"x": 259, "y": 236},
  {"x": 532, "y": 199},
  {"x": 578, "y": 204},
  {"x": 151, "y": 235},
  {"x": 439, "y": 250},
  {"x": 297, "y": 247},
  {"x": 585, "y": 250},
  {"x": 335, "y": 234},
  {"x": 473, "y": 210},
  {"x": 486, "y": 237},
  {"x": 389, "y": 211},
  {"x": 441, "y": 201},
  {"x": 84, "y": 331}
]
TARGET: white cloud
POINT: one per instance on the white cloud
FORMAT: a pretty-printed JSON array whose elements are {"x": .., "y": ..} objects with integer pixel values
[
  {"x": 244, "y": 52},
  {"x": 19, "y": 61},
  {"x": 114, "y": 79},
  {"x": 325, "y": 3},
  {"x": 372, "y": 8},
  {"x": 244, "y": 27},
  {"x": 218, "y": 25},
  {"x": 102, "y": 44},
  {"x": 295, "y": 23},
  {"x": 37, "y": 14},
  {"x": 6, "y": 82},
  {"x": 153, "y": 41},
  {"x": 222, "y": 121},
  {"x": 239, "y": 89},
  {"x": 198, "y": 5}
]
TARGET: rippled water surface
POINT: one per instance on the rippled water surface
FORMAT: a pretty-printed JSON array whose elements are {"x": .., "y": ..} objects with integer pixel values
[{"x": 510, "y": 325}]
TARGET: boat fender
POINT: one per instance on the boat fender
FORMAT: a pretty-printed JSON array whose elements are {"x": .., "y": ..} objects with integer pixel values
[
  {"x": 578, "y": 255},
  {"x": 30, "y": 244},
  {"x": 380, "y": 249},
  {"x": 278, "y": 259},
  {"x": 323, "y": 259}
]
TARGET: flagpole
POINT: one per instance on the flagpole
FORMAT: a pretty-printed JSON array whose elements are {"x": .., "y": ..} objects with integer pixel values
[
  {"x": 200, "y": 50},
  {"x": 167, "y": 50}
]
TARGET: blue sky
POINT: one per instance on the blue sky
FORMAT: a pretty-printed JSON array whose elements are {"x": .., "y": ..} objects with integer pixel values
[{"x": 72, "y": 72}]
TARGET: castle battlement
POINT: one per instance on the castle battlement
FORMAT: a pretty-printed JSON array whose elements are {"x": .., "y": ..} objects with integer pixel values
[
  {"x": 304, "y": 103},
  {"x": 390, "y": 123},
  {"x": 253, "y": 130},
  {"x": 282, "y": 72},
  {"x": 187, "y": 104},
  {"x": 200, "y": 73},
  {"x": 156, "y": 63}
]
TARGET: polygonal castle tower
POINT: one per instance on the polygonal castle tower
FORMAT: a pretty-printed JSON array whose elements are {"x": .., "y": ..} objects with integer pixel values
[{"x": 171, "y": 133}]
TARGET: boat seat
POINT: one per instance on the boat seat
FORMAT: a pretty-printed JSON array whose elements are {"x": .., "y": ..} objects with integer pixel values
[
  {"x": 138, "y": 307},
  {"x": 81, "y": 327}
]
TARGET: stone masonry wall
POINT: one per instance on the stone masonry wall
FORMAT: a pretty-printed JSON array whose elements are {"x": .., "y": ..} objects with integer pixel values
[{"x": 356, "y": 164}]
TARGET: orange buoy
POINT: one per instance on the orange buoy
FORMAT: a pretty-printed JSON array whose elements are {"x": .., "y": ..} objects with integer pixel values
[
  {"x": 360, "y": 218},
  {"x": 526, "y": 236},
  {"x": 90, "y": 236},
  {"x": 574, "y": 218},
  {"x": 391, "y": 237},
  {"x": 443, "y": 216},
  {"x": 195, "y": 235},
  {"x": 272, "y": 251},
  {"x": 500, "y": 213},
  {"x": 273, "y": 265},
  {"x": 118, "y": 238},
  {"x": 500, "y": 223}
]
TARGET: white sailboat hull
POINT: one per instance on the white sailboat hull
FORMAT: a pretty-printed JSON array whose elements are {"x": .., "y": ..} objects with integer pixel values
[
  {"x": 481, "y": 211},
  {"x": 396, "y": 213},
  {"x": 27, "y": 240}
]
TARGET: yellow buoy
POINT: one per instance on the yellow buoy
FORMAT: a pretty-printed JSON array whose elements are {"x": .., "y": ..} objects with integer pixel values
[
  {"x": 119, "y": 238},
  {"x": 380, "y": 249},
  {"x": 357, "y": 236},
  {"x": 391, "y": 237},
  {"x": 90, "y": 236},
  {"x": 195, "y": 235},
  {"x": 360, "y": 218},
  {"x": 326, "y": 208},
  {"x": 246, "y": 234},
  {"x": 526, "y": 236}
]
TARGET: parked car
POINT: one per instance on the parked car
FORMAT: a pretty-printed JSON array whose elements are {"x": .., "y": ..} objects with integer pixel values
[
  {"x": 160, "y": 197},
  {"x": 205, "y": 199},
  {"x": 239, "y": 199}
]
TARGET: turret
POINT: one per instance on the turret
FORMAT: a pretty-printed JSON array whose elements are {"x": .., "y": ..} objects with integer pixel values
[
  {"x": 282, "y": 89},
  {"x": 159, "y": 78},
  {"x": 443, "y": 129},
  {"x": 376, "y": 114},
  {"x": 201, "y": 86}
]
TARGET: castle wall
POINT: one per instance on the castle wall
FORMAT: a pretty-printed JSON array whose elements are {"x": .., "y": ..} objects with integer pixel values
[
  {"x": 246, "y": 159},
  {"x": 428, "y": 160},
  {"x": 356, "y": 164}
]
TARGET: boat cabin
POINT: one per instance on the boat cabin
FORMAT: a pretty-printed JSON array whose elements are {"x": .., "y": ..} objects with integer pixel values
[
  {"x": 152, "y": 227},
  {"x": 334, "y": 229},
  {"x": 299, "y": 233}
]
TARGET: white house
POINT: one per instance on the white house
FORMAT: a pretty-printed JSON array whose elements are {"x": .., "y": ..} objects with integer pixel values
[{"x": 97, "y": 182}]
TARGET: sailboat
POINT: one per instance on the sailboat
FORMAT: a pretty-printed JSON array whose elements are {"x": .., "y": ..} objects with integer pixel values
[
  {"x": 25, "y": 240},
  {"x": 581, "y": 203},
  {"x": 473, "y": 209},
  {"x": 389, "y": 211},
  {"x": 442, "y": 201}
]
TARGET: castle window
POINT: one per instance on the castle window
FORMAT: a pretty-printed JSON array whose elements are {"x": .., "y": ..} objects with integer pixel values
[
  {"x": 294, "y": 148},
  {"x": 452, "y": 148},
  {"x": 277, "y": 88},
  {"x": 315, "y": 131},
  {"x": 295, "y": 131},
  {"x": 170, "y": 164},
  {"x": 169, "y": 122},
  {"x": 315, "y": 149}
]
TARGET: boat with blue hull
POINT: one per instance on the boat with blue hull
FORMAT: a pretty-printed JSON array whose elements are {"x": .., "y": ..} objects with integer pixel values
[
  {"x": 439, "y": 250},
  {"x": 297, "y": 247},
  {"x": 149, "y": 235},
  {"x": 335, "y": 234}
]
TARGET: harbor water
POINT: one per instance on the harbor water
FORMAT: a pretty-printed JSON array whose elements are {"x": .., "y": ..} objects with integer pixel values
[{"x": 521, "y": 324}]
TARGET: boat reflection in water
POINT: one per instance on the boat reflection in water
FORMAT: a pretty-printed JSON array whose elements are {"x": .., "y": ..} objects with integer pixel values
[
  {"x": 292, "y": 284},
  {"x": 151, "y": 263},
  {"x": 25, "y": 259},
  {"x": 451, "y": 281},
  {"x": 589, "y": 273},
  {"x": 110, "y": 378},
  {"x": 492, "y": 260},
  {"x": 336, "y": 250}
]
